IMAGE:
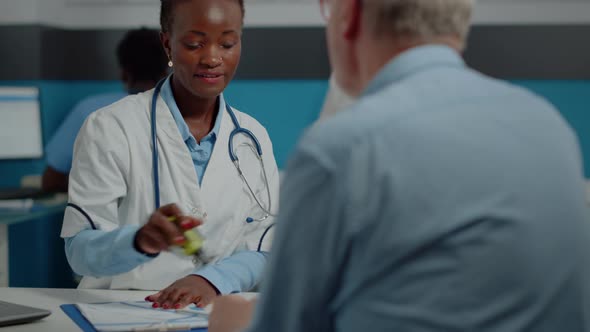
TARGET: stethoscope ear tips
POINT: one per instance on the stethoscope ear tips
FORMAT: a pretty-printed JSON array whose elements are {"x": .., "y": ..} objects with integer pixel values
[{"x": 249, "y": 220}]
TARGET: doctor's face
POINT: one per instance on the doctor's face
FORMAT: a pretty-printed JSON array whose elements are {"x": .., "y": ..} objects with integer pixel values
[{"x": 204, "y": 44}]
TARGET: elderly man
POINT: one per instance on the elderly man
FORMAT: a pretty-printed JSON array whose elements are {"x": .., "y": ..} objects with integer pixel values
[
  {"x": 335, "y": 101},
  {"x": 442, "y": 200}
]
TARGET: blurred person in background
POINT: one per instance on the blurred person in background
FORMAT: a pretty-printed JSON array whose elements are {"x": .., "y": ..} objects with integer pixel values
[{"x": 143, "y": 63}]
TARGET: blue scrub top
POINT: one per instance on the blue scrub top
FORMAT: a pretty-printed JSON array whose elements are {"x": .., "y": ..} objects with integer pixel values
[
  {"x": 60, "y": 149},
  {"x": 200, "y": 152}
]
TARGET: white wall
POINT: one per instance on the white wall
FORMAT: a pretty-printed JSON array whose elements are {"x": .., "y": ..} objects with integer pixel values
[
  {"x": 132, "y": 13},
  {"x": 129, "y": 13},
  {"x": 18, "y": 11},
  {"x": 532, "y": 11},
  {"x": 98, "y": 13}
]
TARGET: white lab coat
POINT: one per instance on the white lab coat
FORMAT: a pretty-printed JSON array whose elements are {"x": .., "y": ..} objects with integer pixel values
[{"x": 111, "y": 180}]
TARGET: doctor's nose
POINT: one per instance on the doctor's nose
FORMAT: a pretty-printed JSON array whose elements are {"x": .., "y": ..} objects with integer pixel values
[{"x": 211, "y": 59}]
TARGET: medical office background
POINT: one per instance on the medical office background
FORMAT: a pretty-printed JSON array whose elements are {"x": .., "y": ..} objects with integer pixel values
[{"x": 66, "y": 48}]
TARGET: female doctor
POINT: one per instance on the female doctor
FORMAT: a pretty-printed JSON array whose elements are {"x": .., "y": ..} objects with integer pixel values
[{"x": 204, "y": 167}]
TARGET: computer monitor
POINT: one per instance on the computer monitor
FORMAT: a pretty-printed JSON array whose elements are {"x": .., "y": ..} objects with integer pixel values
[{"x": 20, "y": 123}]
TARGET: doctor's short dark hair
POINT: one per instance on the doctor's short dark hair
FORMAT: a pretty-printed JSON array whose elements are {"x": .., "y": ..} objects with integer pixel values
[
  {"x": 141, "y": 55},
  {"x": 166, "y": 16}
]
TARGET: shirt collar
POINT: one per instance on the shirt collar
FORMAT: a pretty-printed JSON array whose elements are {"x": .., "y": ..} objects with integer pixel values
[
  {"x": 185, "y": 133},
  {"x": 413, "y": 61}
]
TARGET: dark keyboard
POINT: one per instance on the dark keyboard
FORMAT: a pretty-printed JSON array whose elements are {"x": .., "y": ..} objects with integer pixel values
[
  {"x": 23, "y": 192},
  {"x": 11, "y": 309},
  {"x": 11, "y": 313}
]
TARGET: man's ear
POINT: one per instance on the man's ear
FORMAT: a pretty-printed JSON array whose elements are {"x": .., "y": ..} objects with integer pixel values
[{"x": 353, "y": 19}]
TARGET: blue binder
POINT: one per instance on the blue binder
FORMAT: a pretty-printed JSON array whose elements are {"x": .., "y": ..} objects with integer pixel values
[{"x": 84, "y": 324}]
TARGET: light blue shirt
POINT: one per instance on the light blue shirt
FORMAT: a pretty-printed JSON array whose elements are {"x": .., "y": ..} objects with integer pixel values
[
  {"x": 97, "y": 253},
  {"x": 443, "y": 200},
  {"x": 60, "y": 149},
  {"x": 200, "y": 153}
]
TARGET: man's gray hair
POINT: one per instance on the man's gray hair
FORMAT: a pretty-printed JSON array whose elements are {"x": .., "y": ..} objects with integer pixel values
[{"x": 422, "y": 19}]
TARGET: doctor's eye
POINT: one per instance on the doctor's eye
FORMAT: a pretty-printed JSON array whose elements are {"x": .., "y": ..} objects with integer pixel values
[
  {"x": 228, "y": 45},
  {"x": 193, "y": 46}
]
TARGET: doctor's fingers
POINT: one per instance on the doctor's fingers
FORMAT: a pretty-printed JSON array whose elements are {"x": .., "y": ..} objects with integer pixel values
[
  {"x": 180, "y": 298},
  {"x": 204, "y": 301},
  {"x": 167, "y": 297},
  {"x": 170, "y": 210},
  {"x": 169, "y": 230},
  {"x": 154, "y": 298},
  {"x": 187, "y": 222},
  {"x": 186, "y": 300},
  {"x": 151, "y": 240},
  {"x": 174, "y": 297}
]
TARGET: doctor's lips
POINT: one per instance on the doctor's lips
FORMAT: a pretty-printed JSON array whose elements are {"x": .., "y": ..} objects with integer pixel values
[{"x": 209, "y": 77}]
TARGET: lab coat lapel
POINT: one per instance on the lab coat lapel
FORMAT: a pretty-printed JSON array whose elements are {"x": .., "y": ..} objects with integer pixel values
[
  {"x": 220, "y": 169},
  {"x": 176, "y": 159},
  {"x": 223, "y": 198}
]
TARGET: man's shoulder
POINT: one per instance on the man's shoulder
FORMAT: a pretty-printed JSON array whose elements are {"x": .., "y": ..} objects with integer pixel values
[
  {"x": 410, "y": 111},
  {"x": 331, "y": 139}
]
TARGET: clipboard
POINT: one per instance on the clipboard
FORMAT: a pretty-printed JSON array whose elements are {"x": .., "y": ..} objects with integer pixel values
[{"x": 76, "y": 316}]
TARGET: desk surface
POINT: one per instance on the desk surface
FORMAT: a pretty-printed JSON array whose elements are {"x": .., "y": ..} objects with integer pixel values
[
  {"x": 51, "y": 299},
  {"x": 43, "y": 207}
]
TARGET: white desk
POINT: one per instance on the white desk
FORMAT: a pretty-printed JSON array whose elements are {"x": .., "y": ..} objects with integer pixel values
[{"x": 51, "y": 299}]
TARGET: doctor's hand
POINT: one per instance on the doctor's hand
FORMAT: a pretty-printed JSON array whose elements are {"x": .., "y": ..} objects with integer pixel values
[
  {"x": 231, "y": 313},
  {"x": 191, "y": 289},
  {"x": 159, "y": 233}
]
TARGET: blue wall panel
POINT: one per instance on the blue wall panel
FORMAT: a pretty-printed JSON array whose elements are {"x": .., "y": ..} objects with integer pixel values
[
  {"x": 285, "y": 108},
  {"x": 572, "y": 98}
]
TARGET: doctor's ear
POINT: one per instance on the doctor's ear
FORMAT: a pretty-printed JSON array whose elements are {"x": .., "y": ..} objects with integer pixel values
[{"x": 165, "y": 39}]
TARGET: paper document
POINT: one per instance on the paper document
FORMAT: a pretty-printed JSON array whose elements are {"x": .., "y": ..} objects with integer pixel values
[{"x": 140, "y": 316}]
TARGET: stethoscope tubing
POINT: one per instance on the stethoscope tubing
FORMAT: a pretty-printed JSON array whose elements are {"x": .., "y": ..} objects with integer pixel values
[{"x": 257, "y": 149}]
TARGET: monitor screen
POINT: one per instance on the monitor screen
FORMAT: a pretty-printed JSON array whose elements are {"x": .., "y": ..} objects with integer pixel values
[{"x": 20, "y": 123}]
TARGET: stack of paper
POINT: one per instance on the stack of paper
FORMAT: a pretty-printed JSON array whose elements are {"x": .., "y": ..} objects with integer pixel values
[{"x": 140, "y": 316}]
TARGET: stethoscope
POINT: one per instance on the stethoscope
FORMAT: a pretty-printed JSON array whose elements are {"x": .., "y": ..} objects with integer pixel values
[{"x": 254, "y": 145}]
